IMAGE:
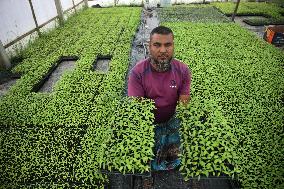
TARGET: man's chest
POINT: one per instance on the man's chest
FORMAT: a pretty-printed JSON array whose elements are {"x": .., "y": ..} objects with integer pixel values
[{"x": 161, "y": 85}]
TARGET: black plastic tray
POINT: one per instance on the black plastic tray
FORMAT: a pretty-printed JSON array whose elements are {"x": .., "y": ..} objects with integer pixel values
[{"x": 37, "y": 86}]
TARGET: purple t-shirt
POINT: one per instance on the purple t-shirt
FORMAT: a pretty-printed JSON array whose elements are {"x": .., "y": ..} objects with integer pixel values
[{"x": 163, "y": 87}]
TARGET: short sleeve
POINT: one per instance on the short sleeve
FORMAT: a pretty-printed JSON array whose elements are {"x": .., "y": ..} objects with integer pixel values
[
  {"x": 186, "y": 81},
  {"x": 135, "y": 87}
]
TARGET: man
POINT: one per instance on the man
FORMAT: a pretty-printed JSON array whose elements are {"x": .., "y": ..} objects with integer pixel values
[{"x": 167, "y": 81}]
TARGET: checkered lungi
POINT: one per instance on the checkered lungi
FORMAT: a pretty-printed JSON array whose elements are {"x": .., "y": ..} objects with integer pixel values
[{"x": 167, "y": 145}]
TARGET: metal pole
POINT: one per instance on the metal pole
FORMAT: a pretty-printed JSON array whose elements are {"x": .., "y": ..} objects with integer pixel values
[
  {"x": 4, "y": 60},
  {"x": 34, "y": 16},
  {"x": 236, "y": 9},
  {"x": 59, "y": 11}
]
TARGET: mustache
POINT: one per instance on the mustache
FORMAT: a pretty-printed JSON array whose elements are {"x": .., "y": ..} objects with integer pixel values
[
  {"x": 163, "y": 54},
  {"x": 167, "y": 61}
]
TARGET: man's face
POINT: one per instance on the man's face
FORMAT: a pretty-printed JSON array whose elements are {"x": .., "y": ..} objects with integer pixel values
[{"x": 161, "y": 50}]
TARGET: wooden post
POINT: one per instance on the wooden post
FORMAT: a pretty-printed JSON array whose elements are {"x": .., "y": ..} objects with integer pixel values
[
  {"x": 59, "y": 11},
  {"x": 74, "y": 6},
  {"x": 4, "y": 60},
  {"x": 115, "y": 2},
  {"x": 236, "y": 9},
  {"x": 86, "y": 3},
  {"x": 34, "y": 16}
]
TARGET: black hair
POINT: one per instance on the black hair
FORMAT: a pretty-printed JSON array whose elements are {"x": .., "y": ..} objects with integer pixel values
[{"x": 163, "y": 30}]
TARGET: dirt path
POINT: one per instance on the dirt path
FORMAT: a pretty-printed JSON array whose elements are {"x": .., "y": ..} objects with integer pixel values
[
  {"x": 4, "y": 87},
  {"x": 258, "y": 30},
  {"x": 139, "y": 51}
]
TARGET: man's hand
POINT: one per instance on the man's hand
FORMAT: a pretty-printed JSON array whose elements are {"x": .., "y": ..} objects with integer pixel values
[{"x": 184, "y": 99}]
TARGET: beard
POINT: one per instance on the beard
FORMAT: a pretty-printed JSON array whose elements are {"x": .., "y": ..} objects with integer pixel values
[{"x": 161, "y": 66}]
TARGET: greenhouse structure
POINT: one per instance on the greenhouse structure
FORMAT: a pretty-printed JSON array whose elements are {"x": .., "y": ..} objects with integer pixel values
[{"x": 67, "y": 119}]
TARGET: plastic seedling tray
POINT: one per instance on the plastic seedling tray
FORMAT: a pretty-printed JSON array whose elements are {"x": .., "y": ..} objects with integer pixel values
[
  {"x": 146, "y": 174},
  {"x": 37, "y": 87}
]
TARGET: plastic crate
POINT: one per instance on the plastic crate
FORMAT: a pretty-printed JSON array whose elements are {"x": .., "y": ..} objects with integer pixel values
[{"x": 274, "y": 35}]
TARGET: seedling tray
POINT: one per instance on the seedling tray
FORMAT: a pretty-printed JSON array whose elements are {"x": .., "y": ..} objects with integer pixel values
[
  {"x": 249, "y": 14},
  {"x": 34, "y": 184},
  {"x": 37, "y": 87},
  {"x": 6, "y": 76},
  {"x": 175, "y": 179},
  {"x": 146, "y": 174}
]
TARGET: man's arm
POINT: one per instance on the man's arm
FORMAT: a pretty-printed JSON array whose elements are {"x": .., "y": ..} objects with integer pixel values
[
  {"x": 184, "y": 96},
  {"x": 184, "y": 99}
]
